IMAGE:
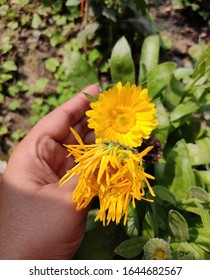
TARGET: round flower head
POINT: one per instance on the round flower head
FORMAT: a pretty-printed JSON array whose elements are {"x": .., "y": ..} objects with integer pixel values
[
  {"x": 123, "y": 114},
  {"x": 110, "y": 171},
  {"x": 157, "y": 249}
]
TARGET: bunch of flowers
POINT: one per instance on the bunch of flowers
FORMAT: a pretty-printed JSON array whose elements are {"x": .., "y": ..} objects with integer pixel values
[{"x": 112, "y": 168}]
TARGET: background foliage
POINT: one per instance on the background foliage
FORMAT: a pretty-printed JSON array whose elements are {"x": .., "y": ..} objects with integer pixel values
[{"x": 105, "y": 42}]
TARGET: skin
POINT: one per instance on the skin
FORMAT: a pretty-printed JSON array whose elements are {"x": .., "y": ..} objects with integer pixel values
[{"x": 37, "y": 218}]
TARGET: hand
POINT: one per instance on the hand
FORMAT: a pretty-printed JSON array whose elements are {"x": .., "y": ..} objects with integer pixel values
[{"x": 37, "y": 218}]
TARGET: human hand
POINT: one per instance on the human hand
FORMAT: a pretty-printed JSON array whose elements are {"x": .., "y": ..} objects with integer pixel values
[{"x": 37, "y": 218}]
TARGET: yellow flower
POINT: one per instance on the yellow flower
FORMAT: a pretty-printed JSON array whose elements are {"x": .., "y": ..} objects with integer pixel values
[
  {"x": 123, "y": 114},
  {"x": 112, "y": 172}
]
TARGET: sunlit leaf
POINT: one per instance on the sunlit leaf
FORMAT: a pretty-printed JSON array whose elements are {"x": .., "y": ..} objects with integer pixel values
[
  {"x": 200, "y": 151},
  {"x": 158, "y": 77},
  {"x": 178, "y": 172},
  {"x": 179, "y": 114},
  {"x": 200, "y": 237},
  {"x": 79, "y": 71},
  {"x": 121, "y": 63},
  {"x": 36, "y": 21},
  {"x": 149, "y": 55},
  {"x": 162, "y": 129}
]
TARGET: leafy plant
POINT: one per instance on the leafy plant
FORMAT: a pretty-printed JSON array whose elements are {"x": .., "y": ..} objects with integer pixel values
[{"x": 180, "y": 213}]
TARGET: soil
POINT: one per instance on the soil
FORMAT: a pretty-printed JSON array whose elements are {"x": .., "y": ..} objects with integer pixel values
[{"x": 32, "y": 48}]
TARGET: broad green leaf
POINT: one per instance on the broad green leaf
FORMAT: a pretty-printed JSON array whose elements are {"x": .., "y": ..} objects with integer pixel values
[
  {"x": 158, "y": 77},
  {"x": 149, "y": 55},
  {"x": 22, "y": 3},
  {"x": 188, "y": 251},
  {"x": 200, "y": 237},
  {"x": 9, "y": 66},
  {"x": 36, "y": 21},
  {"x": 5, "y": 44},
  {"x": 162, "y": 129},
  {"x": 179, "y": 170},
  {"x": 164, "y": 194},
  {"x": 132, "y": 224},
  {"x": 204, "y": 212},
  {"x": 205, "y": 175},
  {"x": 3, "y": 130},
  {"x": 5, "y": 77},
  {"x": 200, "y": 194},
  {"x": 203, "y": 64},
  {"x": 14, "y": 105},
  {"x": 130, "y": 248},
  {"x": 51, "y": 64},
  {"x": 178, "y": 226},
  {"x": 200, "y": 151},
  {"x": 179, "y": 114},
  {"x": 173, "y": 93},
  {"x": 199, "y": 182},
  {"x": 150, "y": 226},
  {"x": 159, "y": 213},
  {"x": 121, "y": 63},
  {"x": 183, "y": 73},
  {"x": 39, "y": 86},
  {"x": 79, "y": 71},
  {"x": 73, "y": 2}
]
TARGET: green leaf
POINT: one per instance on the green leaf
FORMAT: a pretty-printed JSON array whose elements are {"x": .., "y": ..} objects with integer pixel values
[
  {"x": 149, "y": 55},
  {"x": 9, "y": 66},
  {"x": 36, "y": 21},
  {"x": 130, "y": 248},
  {"x": 162, "y": 129},
  {"x": 188, "y": 251},
  {"x": 205, "y": 175},
  {"x": 39, "y": 86},
  {"x": 199, "y": 182},
  {"x": 200, "y": 151},
  {"x": 205, "y": 214},
  {"x": 14, "y": 105},
  {"x": 199, "y": 194},
  {"x": 79, "y": 71},
  {"x": 5, "y": 77},
  {"x": 178, "y": 226},
  {"x": 150, "y": 225},
  {"x": 200, "y": 237},
  {"x": 121, "y": 63},
  {"x": 73, "y": 2},
  {"x": 173, "y": 93},
  {"x": 3, "y": 130},
  {"x": 51, "y": 64},
  {"x": 5, "y": 44},
  {"x": 132, "y": 224},
  {"x": 164, "y": 194},
  {"x": 178, "y": 170},
  {"x": 19, "y": 87},
  {"x": 22, "y": 3},
  {"x": 158, "y": 77},
  {"x": 90, "y": 97},
  {"x": 179, "y": 114}
]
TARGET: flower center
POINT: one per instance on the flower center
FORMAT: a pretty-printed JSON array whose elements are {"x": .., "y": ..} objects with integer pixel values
[
  {"x": 122, "y": 119},
  {"x": 160, "y": 254}
]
